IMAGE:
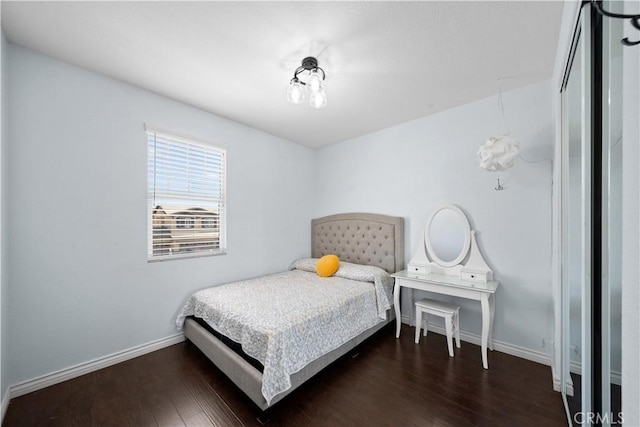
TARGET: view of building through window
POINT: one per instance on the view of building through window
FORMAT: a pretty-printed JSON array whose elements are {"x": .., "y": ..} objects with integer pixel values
[
  {"x": 186, "y": 196},
  {"x": 178, "y": 230}
]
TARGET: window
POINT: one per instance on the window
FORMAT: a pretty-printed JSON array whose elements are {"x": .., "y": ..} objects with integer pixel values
[
  {"x": 186, "y": 197},
  {"x": 184, "y": 222},
  {"x": 209, "y": 222}
]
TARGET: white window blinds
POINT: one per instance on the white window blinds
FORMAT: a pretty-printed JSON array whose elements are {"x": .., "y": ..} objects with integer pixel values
[{"x": 186, "y": 197}]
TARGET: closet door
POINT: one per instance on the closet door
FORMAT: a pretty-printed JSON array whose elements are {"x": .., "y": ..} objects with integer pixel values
[
  {"x": 576, "y": 225},
  {"x": 612, "y": 151},
  {"x": 592, "y": 147}
]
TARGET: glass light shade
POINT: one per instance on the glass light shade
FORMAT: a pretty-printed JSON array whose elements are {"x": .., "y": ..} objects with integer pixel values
[
  {"x": 295, "y": 92},
  {"x": 319, "y": 99},
  {"x": 314, "y": 83}
]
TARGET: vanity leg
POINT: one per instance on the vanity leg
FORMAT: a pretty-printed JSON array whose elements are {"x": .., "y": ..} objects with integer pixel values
[
  {"x": 396, "y": 305},
  {"x": 418, "y": 324},
  {"x": 486, "y": 320},
  {"x": 456, "y": 325},
  {"x": 492, "y": 309},
  {"x": 412, "y": 306}
]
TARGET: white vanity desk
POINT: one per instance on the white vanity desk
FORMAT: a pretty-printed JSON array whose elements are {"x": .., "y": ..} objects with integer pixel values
[
  {"x": 448, "y": 261},
  {"x": 453, "y": 286}
]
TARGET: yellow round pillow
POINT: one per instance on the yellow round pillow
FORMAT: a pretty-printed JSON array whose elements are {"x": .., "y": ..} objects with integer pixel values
[{"x": 327, "y": 265}]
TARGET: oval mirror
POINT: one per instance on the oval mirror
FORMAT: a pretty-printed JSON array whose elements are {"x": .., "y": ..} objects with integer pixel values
[{"x": 448, "y": 236}]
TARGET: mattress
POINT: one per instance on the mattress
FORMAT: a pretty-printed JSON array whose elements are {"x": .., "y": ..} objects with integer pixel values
[{"x": 287, "y": 320}]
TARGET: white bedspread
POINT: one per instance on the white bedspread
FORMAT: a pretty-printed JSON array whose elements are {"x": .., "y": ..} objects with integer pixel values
[{"x": 289, "y": 319}]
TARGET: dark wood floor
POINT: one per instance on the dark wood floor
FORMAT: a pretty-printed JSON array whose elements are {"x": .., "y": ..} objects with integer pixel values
[
  {"x": 389, "y": 383},
  {"x": 575, "y": 402}
]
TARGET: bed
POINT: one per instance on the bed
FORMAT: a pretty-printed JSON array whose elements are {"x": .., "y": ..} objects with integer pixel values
[{"x": 293, "y": 324}]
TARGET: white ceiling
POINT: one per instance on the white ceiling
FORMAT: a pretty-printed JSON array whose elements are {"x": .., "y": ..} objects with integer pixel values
[{"x": 386, "y": 62}]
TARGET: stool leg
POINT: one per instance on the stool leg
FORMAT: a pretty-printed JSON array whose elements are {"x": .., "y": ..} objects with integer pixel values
[
  {"x": 448, "y": 321},
  {"x": 418, "y": 324},
  {"x": 425, "y": 321},
  {"x": 457, "y": 326}
]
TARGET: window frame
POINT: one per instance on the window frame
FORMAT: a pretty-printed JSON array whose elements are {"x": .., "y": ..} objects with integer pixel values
[{"x": 221, "y": 150}]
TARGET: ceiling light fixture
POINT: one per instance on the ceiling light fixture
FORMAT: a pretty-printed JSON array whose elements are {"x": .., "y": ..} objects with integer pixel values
[{"x": 311, "y": 76}]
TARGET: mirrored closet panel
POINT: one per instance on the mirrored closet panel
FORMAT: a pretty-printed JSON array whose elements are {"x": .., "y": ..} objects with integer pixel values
[
  {"x": 574, "y": 207},
  {"x": 591, "y": 99},
  {"x": 612, "y": 33}
]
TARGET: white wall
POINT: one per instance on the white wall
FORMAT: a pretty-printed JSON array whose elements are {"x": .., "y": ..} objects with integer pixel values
[
  {"x": 411, "y": 169},
  {"x": 80, "y": 286}
]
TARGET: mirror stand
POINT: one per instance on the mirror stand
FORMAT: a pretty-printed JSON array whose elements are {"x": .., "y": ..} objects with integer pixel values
[
  {"x": 421, "y": 264},
  {"x": 476, "y": 268},
  {"x": 469, "y": 264}
]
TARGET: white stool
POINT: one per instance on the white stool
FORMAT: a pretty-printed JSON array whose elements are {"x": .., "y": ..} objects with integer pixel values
[{"x": 450, "y": 313}]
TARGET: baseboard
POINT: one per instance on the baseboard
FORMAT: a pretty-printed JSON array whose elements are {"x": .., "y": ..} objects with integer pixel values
[
  {"x": 5, "y": 405},
  {"x": 90, "y": 366},
  {"x": 557, "y": 383},
  {"x": 503, "y": 347},
  {"x": 576, "y": 368}
]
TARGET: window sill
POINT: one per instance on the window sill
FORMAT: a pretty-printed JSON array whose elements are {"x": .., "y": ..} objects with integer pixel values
[{"x": 185, "y": 256}]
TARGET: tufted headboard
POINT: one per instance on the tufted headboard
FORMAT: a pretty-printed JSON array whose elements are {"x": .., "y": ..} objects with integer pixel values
[{"x": 360, "y": 238}]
